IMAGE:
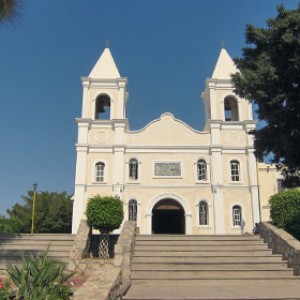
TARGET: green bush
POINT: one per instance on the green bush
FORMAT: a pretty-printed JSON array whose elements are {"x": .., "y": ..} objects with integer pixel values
[
  {"x": 285, "y": 211},
  {"x": 105, "y": 213},
  {"x": 40, "y": 278}
]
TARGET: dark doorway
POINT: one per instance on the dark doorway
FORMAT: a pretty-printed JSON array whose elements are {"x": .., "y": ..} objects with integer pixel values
[{"x": 168, "y": 217}]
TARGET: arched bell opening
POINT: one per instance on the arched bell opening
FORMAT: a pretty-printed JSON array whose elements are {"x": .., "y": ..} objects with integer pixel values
[
  {"x": 168, "y": 217},
  {"x": 102, "y": 109},
  {"x": 231, "y": 110}
]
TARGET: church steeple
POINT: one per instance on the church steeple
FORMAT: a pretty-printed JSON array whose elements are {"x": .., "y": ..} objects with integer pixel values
[
  {"x": 221, "y": 102},
  {"x": 105, "y": 67},
  {"x": 104, "y": 91},
  {"x": 224, "y": 66}
]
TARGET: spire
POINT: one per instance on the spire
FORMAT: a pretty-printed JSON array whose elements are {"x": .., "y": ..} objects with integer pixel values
[
  {"x": 105, "y": 67},
  {"x": 224, "y": 66}
]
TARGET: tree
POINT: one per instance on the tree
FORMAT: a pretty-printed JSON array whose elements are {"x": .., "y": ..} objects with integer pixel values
[
  {"x": 270, "y": 76},
  {"x": 105, "y": 214},
  {"x": 53, "y": 214},
  {"x": 285, "y": 211},
  {"x": 9, "y": 225},
  {"x": 9, "y": 9}
]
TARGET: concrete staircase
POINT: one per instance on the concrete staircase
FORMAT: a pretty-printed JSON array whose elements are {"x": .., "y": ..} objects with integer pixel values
[
  {"x": 15, "y": 246},
  {"x": 209, "y": 267}
]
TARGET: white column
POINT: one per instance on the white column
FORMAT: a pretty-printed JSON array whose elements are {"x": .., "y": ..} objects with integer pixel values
[
  {"x": 119, "y": 151},
  {"x": 85, "y": 103},
  {"x": 148, "y": 218},
  {"x": 212, "y": 100},
  {"x": 121, "y": 100},
  {"x": 254, "y": 186},
  {"x": 81, "y": 174},
  {"x": 217, "y": 177},
  {"x": 80, "y": 188},
  {"x": 217, "y": 183},
  {"x": 188, "y": 223}
]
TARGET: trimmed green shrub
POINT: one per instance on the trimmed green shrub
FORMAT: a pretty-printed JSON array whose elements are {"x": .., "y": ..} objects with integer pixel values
[
  {"x": 105, "y": 213},
  {"x": 285, "y": 211}
]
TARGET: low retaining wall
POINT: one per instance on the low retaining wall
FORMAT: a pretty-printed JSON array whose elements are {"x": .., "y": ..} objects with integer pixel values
[
  {"x": 123, "y": 253},
  {"x": 283, "y": 243},
  {"x": 81, "y": 245},
  {"x": 115, "y": 275}
]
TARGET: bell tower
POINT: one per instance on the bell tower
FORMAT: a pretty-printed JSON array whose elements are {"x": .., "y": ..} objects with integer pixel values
[
  {"x": 103, "y": 117},
  {"x": 104, "y": 91},
  {"x": 221, "y": 103},
  {"x": 229, "y": 119}
]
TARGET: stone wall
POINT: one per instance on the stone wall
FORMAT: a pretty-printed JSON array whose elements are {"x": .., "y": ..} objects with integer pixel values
[
  {"x": 81, "y": 245},
  {"x": 283, "y": 243},
  {"x": 106, "y": 279},
  {"x": 123, "y": 253}
]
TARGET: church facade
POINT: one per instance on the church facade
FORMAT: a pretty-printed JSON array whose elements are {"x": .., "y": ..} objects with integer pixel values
[{"x": 171, "y": 177}]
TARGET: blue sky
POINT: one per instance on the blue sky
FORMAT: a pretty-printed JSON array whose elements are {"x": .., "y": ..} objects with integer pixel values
[{"x": 166, "y": 49}]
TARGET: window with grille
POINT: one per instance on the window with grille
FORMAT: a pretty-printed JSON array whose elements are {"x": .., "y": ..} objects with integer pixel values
[
  {"x": 236, "y": 215},
  {"x": 133, "y": 169},
  {"x": 235, "y": 170},
  {"x": 201, "y": 169},
  {"x": 203, "y": 213},
  {"x": 132, "y": 210},
  {"x": 99, "y": 172}
]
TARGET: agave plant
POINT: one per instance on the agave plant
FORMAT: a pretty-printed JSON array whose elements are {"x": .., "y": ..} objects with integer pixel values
[{"x": 40, "y": 278}]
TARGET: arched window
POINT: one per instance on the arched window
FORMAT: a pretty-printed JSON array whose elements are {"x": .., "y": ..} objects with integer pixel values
[
  {"x": 203, "y": 213},
  {"x": 132, "y": 210},
  {"x": 133, "y": 169},
  {"x": 201, "y": 169},
  {"x": 231, "y": 111},
  {"x": 99, "y": 171},
  {"x": 236, "y": 215},
  {"x": 102, "y": 109},
  {"x": 235, "y": 170}
]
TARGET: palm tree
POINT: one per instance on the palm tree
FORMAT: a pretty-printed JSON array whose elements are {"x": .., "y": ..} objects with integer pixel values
[{"x": 9, "y": 9}]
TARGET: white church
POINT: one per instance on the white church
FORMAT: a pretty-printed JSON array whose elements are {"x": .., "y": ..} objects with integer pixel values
[{"x": 171, "y": 177}]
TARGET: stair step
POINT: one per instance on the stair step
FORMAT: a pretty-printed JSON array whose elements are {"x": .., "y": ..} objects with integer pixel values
[
  {"x": 20, "y": 253},
  {"x": 198, "y": 242},
  {"x": 37, "y": 236},
  {"x": 52, "y": 247},
  {"x": 287, "y": 280},
  {"x": 21, "y": 242},
  {"x": 204, "y": 253},
  {"x": 175, "y": 237},
  {"x": 209, "y": 274},
  {"x": 215, "y": 292},
  {"x": 202, "y": 248},
  {"x": 207, "y": 259},
  {"x": 206, "y": 266},
  {"x": 18, "y": 262}
]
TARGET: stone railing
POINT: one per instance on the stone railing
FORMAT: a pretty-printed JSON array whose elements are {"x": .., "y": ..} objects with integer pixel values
[
  {"x": 123, "y": 253},
  {"x": 81, "y": 245},
  {"x": 283, "y": 243}
]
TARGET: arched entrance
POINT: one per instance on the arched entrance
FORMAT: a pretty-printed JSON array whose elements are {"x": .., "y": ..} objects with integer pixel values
[{"x": 168, "y": 217}]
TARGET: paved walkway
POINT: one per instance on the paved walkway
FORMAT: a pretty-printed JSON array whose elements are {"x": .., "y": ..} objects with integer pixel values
[{"x": 100, "y": 275}]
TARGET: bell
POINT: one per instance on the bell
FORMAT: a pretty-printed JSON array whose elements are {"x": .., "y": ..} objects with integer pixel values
[{"x": 227, "y": 105}]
